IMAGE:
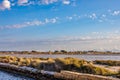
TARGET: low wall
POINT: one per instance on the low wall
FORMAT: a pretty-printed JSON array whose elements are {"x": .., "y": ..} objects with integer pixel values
[
  {"x": 27, "y": 71},
  {"x": 48, "y": 75},
  {"x": 68, "y": 75}
]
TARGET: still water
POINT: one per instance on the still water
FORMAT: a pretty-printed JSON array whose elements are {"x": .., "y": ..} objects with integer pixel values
[
  {"x": 83, "y": 56},
  {"x": 9, "y": 76}
]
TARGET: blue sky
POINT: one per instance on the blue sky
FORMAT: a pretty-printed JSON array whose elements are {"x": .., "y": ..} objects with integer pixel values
[{"x": 60, "y": 24}]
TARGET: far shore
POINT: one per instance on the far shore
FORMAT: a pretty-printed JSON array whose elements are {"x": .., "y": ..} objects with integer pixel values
[
  {"x": 63, "y": 52},
  {"x": 89, "y": 55}
]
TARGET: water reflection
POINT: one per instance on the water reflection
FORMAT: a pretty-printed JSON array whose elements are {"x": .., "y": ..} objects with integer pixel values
[
  {"x": 83, "y": 56},
  {"x": 9, "y": 76}
]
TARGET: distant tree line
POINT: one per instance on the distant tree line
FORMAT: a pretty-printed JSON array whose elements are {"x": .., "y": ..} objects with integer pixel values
[{"x": 59, "y": 52}]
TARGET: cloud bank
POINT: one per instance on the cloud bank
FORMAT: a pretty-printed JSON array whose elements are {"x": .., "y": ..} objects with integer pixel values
[
  {"x": 100, "y": 44},
  {"x": 30, "y": 23},
  {"x": 7, "y": 4},
  {"x": 104, "y": 17}
]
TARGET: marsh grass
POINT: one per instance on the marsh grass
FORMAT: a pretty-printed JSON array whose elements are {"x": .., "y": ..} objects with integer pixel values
[
  {"x": 107, "y": 62},
  {"x": 71, "y": 64}
]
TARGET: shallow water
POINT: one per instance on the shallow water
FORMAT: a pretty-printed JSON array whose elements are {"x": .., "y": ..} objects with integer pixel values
[
  {"x": 83, "y": 56},
  {"x": 8, "y": 76}
]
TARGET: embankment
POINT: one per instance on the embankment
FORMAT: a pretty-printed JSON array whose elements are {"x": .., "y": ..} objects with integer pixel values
[
  {"x": 27, "y": 71},
  {"x": 68, "y": 75},
  {"x": 47, "y": 75}
]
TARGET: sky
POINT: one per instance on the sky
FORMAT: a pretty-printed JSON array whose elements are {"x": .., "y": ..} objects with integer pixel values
[{"x": 71, "y": 25}]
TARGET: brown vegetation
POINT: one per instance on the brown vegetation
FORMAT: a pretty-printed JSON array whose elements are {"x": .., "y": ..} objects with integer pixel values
[
  {"x": 107, "y": 62},
  {"x": 58, "y": 64}
]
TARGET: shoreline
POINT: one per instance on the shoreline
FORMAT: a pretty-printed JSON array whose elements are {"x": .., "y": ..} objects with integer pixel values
[
  {"x": 63, "y": 52},
  {"x": 47, "y": 75},
  {"x": 89, "y": 57},
  {"x": 52, "y": 54}
]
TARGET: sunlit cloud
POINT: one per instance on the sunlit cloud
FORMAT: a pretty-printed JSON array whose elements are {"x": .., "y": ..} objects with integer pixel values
[
  {"x": 53, "y": 20},
  {"x": 5, "y": 5},
  {"x": 48, "y": 1},
  {"x": 93, "y": 16},
  {"x": 22, "y": 2},
  {"x": 67, "y": 2},
  {"x": 115, "y": 13}
]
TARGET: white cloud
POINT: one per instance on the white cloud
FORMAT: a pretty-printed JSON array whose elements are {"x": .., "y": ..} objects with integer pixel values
[
  {"x": 25, "y": 24},
  {"x": 30, "y": 23},
  {"x": 115, "y": 13},
  {"x": 22, "y": 2},
  {"x": 5, "y": 5},
  {"x": 103, "y": 16},
  {"x": 53, "y": 20},
  {"x": 48, "y": 1},
  {"x": 69, "y": 17},
  {"x": 66, "y": 2},
  {"x": 93, "y": 16}
]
